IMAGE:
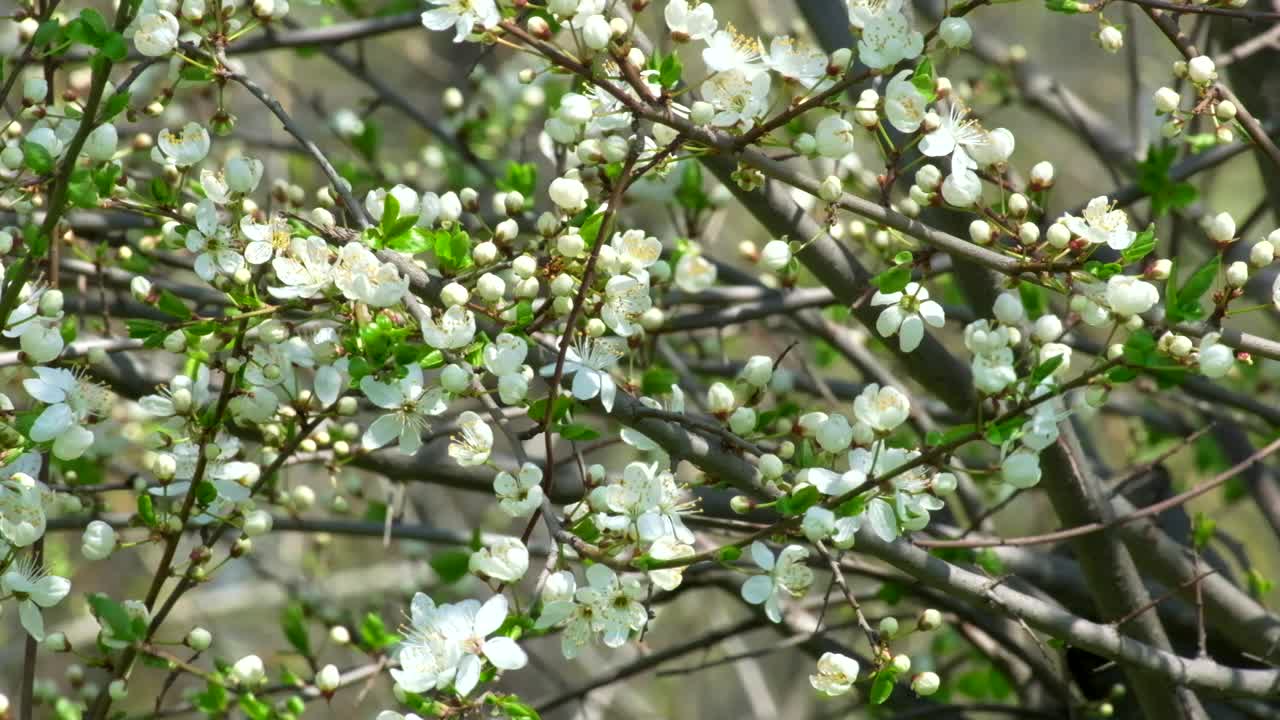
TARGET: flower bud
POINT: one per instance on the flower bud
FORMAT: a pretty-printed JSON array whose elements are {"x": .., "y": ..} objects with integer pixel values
[
  {"x": 524, "y": 266},
  {"x": 900, "y": 664},
  {"x": 248, "y": 671},
  {"x": 50, "y": 303},
  {"x": 805, "y": 144},
  {"x": 339, "y": 635},
  {"x": 569, "y": 194},
  {"x": 1201, "y": 70},
  {"x": 1237, "y": 274},
  {"x": 980, "y": 232},
  {"x": 1042, "y": 175},
  {"x": 776, "y": 255},
  {"x": 491, "y": 287},
  {"x": 455, "y": 378},
  {"x": 596, "y": 32},
  {"x": 55, "y": 642},
  {"x": 1166, "y": 100},
  {"x": 1008, "y": 308},
  {"x": 98, "y": 541},
  {"x": 743, "y": 421},
  {"x": 955, "y": 32},
  {"x": 1028, "y": 233},
  {"x": 926, "y": 683},
  {"x": 741, "y": 504},
  {"x": 1262, "y": 253},
  {"x": 929, "y": 177},
  {"x": 199, "y": 639},
  {"x": 758, "y": 371},
  {"x": 831, "y": 189},
  {"x": 1110, "y": 38},
  {"x": 484, "y": 253},
  {"x": 257, "y": 523},
  {"x": 720, "y": 399},
  {"x": 327, "y": 679},
  {"x": 571, "y": 245},
  {"x": 176, "y": 341},
  {"x": 1225, "y": 111},
  {"x": 888, "y": 627},
  {"x": 454, "y": 294},
  {"x": 1160, "y": 269},
  {"x": 771, "y": 466},
  {"x": 930, "y": 619},
  {"x": 1221, "y": 228},
  {"x": 1058, "y": 236},
  {"x": 1018, "y": 205}
]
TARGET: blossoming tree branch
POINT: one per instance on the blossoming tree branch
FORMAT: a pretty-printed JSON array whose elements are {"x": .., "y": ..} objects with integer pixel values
[{"x": 672, "y": 344}]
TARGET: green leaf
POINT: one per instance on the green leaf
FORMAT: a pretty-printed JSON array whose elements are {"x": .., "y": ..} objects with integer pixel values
[
  {"x": 988, "y": 560},
  {"x": 590, "y": 229},
  {"x": 414, "y": 241},
  {"x": 1203, "y": 530},
  {"x": 45, "y": 34},
  {"x": 81, "y": 190},
  {"x": 452, "y": 249},
  {"x": 923, "y": 80},
  {"x": 520, "y": 177},
  {"x": 368, "y": 141},
  {"x": 96, "y": 23},
  {"x": 374, "y": 633},
  {"x": 1045, "y": 369},
  {"x": 1184, "y": 303},
  {"x": 882, "y": 687},
  {"x": 213, "y": 701},
  {"x": 146, "y": 510},
  {"x": 104, "y": 179},
  {"x": 1003, "y": 431},
  {"x": 114, "y": 47},
  {"x": 36, "y": 158},
  {"x": 1066, "y": 7},
  {"x": 254, "y": 708},
  {"x": 576, "y": 431},
  {"x": 1034, "y": 300},
  {"x": 451, "y": 565},
  {"x": 670, "y": 70},
  {"x": 112, "y": 613},
  {"x": 893, "y": 280},
  {"x": 115, "y": 105},
  {"x": 658, "y": 381},
  {"x": 512, "y": 707},
  {"x": 690, "y": 193},
  {"x": 1142, "y": 245},
  {"x": 293, "y": 623},
  {"x": 799, "y": 501}
]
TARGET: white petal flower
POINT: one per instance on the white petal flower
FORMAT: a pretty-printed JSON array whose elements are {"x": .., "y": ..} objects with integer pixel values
[
  {"x": 904, "y": 106},
  {"x": 506, "y": 560},
  {"x": 156, "y": 34},
  {"x": 473, "y": 442},
  {"x": 455, "y": 328},
  {"x": 836, "y": 674},
  {"x": 462, "y": 15},
  {"x": 1101, "y": 224},
  {"x": 887, "y": 39},
  {"x": 690, "y": 24},
  {"x": 182, "y": 149}
]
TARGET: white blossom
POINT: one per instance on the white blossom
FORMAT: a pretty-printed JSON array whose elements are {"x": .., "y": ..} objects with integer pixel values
[
  {"x": 905, "y": 314},
  {"x": 410, "y": 403},
  {"x": 787, "y": 574},
  {"x": 462, "y": 15}
]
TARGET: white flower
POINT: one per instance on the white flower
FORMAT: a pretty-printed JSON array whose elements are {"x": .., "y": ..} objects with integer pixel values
[
  {"x": 375, "y": 201},
  {"x": 473, "y": 442},
  {"x": 462, "y": 15},
  {"x": 957, "y": 135},
  {"x": 505, "y": 355},
  {"x": 410, "y": 403},
  {"x": 23, "y": 500},
  {"x": 98, "y": 541},
  {"x": 797, "y": 62},
  {"x": 669, "y": 548},
  {"x": 615, "y": 603},
  {"x": 589, "y": 361},
  {"x": 184, "y": 149},
  {"x": 304, "y": 270},
  {"x": 520, "y": 494},
  {"x": 1021, "y": 469},
  {"x": 216, "y": 252},
  {"x": 863, "y": 11},
  {"x": 728, "y": 50},
  {"x": 1130, "y": 296},
  {"x": 569, "y": 194},
  {"x": 625, "y": 300},
  {"x": 265, "y": 239},
  {"x": 455, "y": 328},
  {"x": 906, "y": 314},
  {"x": 888, "y": 40},
  {"x": 993, "y": 371},
  {"x": 834, "y": 135},
  {"x": 35, "y": 591},
  {"x": 647, "y": 500},
  {"x": 506, "y": 560},
  {"x": 636, "y": 251},
  {"x": 362, "y": 277},
  {"x": 834, "y": 434},
  {"x": 1101, "y": 224},
  {"x": 243, "y": 174},
  {"x": 694, "y": 273},
  {"x": 72, "y": 402},
  {"x": 904, "y": 106},
  {"x": 1216, "y": 359},
  {"x": 786, "y": 574},
  {"x": 883, "y": 408},
  {"x": 685, "y": 24},
  {"x": 156, "y": 34},
  {"x": 739, "y": 98},
  {"x": 458, "y": 635},
  {"x": 836, "y": 674}
]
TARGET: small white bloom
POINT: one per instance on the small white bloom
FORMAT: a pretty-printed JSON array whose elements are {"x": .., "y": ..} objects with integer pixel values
[
  {"x": 410, "y": 403},
  {"x": 1216, "y": 359},
  {"x": 589, "y": 362},
  {"x": 836, "y": 674},
  {"x": 156, "y": 34},
  {"x": 568, "y": 193},
  {"x": 1130, "y": 296},
  {"x": 690, "y": 24},
  {"x": 462, "y": 15},
  {"x": 452, "y": 329},
  {"x": 1101, "y": 224},
  {"x": 906, "y": 314},
  {"x": 786, "y": 574},
  {"x": 182, "y": 149},
  {"x": 955, "y": 32},
  {"x": 506, "y": 560},
  {"x": 888, "y": 40},
  {"x": 520, "y": 494},
  {"x": 98, "y": 541},
  {"x": 473, "y": 442},
  {"x": 36, "y": 591},
  {"x": 882, "y": 408}
]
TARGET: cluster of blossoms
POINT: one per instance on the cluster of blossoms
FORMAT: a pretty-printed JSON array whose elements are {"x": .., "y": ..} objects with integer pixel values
[{"x": 436, "y": 315}]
